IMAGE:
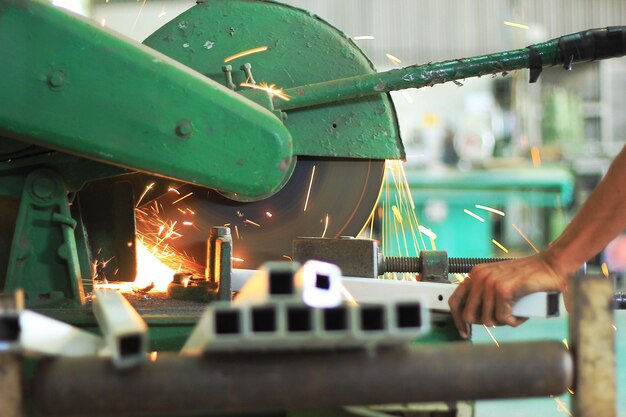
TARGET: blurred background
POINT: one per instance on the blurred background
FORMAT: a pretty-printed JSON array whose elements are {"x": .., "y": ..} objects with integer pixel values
[{"x": 530, "y": 152}]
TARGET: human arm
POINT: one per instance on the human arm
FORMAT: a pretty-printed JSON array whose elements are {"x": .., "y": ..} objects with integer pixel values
[{"x": 490, "y": 291}]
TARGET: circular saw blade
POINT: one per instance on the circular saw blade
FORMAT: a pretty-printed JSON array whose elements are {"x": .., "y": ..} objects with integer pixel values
[
  {"x": 324, "y": 197},
  {"x": 299, "y": 49}
]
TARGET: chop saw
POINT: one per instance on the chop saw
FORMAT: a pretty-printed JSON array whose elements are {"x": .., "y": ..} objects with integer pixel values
[
  {"x": 258, "y": 115},
  {"x": 241, "y": 113}
]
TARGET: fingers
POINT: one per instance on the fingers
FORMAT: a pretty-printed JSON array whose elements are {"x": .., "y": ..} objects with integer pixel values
[
  {"x": 504, "y": 300},
  {"x": 457, "y": 303},
  {"x": 473, "y": 303},
  {"x": 489, "y": 300}
]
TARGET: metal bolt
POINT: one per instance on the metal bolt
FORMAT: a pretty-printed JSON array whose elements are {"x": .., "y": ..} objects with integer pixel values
[
  {"x": 43, "y": 188},
  {"x": 247, "y": 69},
  {"x": 228, "y": 73},
  {"x": 184, "y": 128},
  {"x": 56, "y": 79}
]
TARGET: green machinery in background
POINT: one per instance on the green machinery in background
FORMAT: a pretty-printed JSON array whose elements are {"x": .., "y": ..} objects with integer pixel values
[{"x": 441, "y": 197}]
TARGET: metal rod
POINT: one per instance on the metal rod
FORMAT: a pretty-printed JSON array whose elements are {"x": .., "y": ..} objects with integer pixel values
[
  {"x": 578, "y": 47},
  {"x": 592, "y": 341},
  {"x": 315, "y": 380}
]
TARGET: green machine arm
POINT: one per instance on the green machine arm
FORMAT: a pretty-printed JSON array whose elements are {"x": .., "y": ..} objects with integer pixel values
[
  {"x": 583, "y": 46},
  {"x": 73, "y": 86}
]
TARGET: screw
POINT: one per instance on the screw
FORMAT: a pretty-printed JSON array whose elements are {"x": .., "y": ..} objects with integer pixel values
[
  {"x": 247, "y": 69},
  {"x": 184, "y": 128},
  {"x": 228, "y": 73},
  {"x": 56, "y": 79},
  {"x": 414, "y": 263}
]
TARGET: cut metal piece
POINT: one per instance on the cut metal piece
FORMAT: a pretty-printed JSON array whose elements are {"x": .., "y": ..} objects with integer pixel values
[
  {"x": 316, "y": 284},
  {"x": 243, "y": 382},
  {"x": 291, "y": 325},
  {"x": 42, "y": 334},
  {"x": 320, "y": 283},
  {"x": 274, "y": 280},
  {"x": 124, "y": 331}
]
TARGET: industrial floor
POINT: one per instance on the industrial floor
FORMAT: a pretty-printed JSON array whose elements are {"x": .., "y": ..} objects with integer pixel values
[{"x": 542, "y": 329}]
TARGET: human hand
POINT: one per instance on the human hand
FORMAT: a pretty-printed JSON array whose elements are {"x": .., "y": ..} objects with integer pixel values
[{"x": 487, "y": 296}]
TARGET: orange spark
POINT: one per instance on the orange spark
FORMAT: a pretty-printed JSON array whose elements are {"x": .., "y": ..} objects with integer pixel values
[
  {"x": 188, "y": 223},
  {"x": 269, "y": 89},
  {"x": 246, "y": 53},
  {"x": 129, "y": 244},
  {"x": 288, "y": 257},
  {"x": 534, "y": 153},
  {"x": 173, "y": 190},
  {"x": 498, "y": 244},
  {"x": 605, "y": 269},
  {"x": 474, "y": 215},
  {"x": 516, "y": 25},
  {"x": 427, "y": 232},
  {"x": 132, "y": 30},
  {"x": 396, "y": 213},
  {"x": 525, "y": 238},
  {"x": 571, "y": 391},
  {"x": 268, "y": 214},
  {"x": 491, "y": 334},
  {"x": 182, "y": 198},
  {"x": 478, "y": 206},
  {"x": 308, "y": 193},
  {"x": 181, "y": 210},
  {"x": 236, "y": 259},
  {"x": 565, "y": 343},
  {"x": 237, "y": 232},
  {"x": 394, "y": 60},
  {"x": 154, "y": 355},
  {"x": 148, "y": 188},
  {"x": 562, "y": 406},
  {"x": 191, "y": 211},
  {"x": 346, "y": 294},
  {"x": 248, "y": 221},
  {"x": 325, "y": 226}
]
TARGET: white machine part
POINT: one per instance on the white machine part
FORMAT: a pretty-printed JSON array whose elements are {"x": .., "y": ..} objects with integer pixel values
[
  {"x": 316, "y": 283},
  {"x": 125, "y": 332}
]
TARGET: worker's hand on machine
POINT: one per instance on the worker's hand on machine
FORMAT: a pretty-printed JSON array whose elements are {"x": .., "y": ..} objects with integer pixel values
[{"x": 487, "y": 296}]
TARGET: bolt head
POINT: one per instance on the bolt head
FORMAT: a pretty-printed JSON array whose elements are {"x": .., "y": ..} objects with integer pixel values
[
  {"x": 43, "y": 188},
  {"x": 56, "y": 79},
  {"x": 184, "y": 128}
]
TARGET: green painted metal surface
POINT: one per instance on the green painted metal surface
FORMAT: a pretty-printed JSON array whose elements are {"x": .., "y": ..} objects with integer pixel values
[
  {"x": 302, "y": 49},
  {"x": 577, "y": 47},
  {"x": 82, "y": 89},
  {"x": 43, "y": 259}
]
